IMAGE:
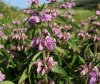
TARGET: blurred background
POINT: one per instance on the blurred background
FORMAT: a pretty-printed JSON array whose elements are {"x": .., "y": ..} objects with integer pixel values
[
  {"x": 83, "y": 8},
  {"x": 22, "y": 4}
]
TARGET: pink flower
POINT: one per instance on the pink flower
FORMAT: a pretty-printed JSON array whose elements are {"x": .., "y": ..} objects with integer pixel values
[
  {"x": 37, "y": 41},
  {"x": 27, "y": 11},
  {"x": 49, "y": 43},
  {"x": 16, "y": 22},
  {"x": 43, "y": 72},
  {"x": 34, "y": 20},
  {"x": 92, "y": 77},
  {"x": 67, "y": 36},
  {"x": 39, "y": 68},
  {"x": 0, "y": 33},
  {"x": 70, "y": 4},
  {"x": 97, "y": 12},
  {"x": 53, "y": 15},
  {"x": 46, "y": 17},
  {"x": 2, "y": 76},
  {"x": 51, "y": 63},
  {"x": 48, "y": 66},
  {"x": 45, "y": 32},
  {"x": 56, "y": 31},
  {"x": 1, "y": 15},
  {"x": 33, "y": 1},
  {"x": 62, "y": 6}
]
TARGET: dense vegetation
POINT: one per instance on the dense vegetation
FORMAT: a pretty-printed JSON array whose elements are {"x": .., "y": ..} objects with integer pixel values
[{"x": 53, "y": 43}]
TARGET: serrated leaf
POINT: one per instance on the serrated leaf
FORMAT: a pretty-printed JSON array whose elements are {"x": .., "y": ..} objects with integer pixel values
[
  {"x": 59, "y": 70},
  {"x": 6, "y": 82}
]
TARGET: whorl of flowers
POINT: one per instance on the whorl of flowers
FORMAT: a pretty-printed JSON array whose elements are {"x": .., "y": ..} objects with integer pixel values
[
  {"x": 48, "y": 43},
  {"x": 43, "y": 68}
]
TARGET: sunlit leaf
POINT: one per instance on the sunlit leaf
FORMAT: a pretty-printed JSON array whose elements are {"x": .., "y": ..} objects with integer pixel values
[
  {"x": 72, "y": 44},
  {"x": 60, "y": 50},
  {"x": 23, "y": 77},
  {"x": 6, "y": 82}
]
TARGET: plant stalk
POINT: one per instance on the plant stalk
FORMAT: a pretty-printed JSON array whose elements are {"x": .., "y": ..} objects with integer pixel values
[{"x": 45, "y": 76}]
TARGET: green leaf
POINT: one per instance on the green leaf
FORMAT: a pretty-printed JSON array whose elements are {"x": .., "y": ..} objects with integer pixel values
[
  {"x": 49, "y": 30},
  {"x": 24, "y": 76},
  {"x": 7, "y": 72},
  {"x": 33, "y": 59},
  {"x": 2, "y": 58},
  {"x": 97, "y": 63},
  {"x": 74, "y": 24},
  {"x": 81, "y": 59},
  {"x": 59, "y": 59},
  {"x": 60, "y": 20},
  {"x": 41, "y": 8},
  {"x": 60, "y": 50},
  {"x": 61, "y": 82},
  {"x": 7, "y": 55},
  {"x": 91, "y": 53},
  {"x": 73, "y": 44},
  {"x": 6, "y": 82},
  {"x": 74, "y": 59},
  {"x": 31, "y": 33},
  {"x": 59, "y": 70}
]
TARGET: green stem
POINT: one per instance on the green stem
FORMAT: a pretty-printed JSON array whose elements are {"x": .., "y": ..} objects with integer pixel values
[
  {"x": 48, "y": 54},
  {"x": 86, "y": 81},
  {"x": 45, "y": 76}
]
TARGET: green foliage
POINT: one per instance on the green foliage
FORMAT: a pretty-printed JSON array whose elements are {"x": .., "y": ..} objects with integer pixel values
[
  {"x": 72, "y": 47},
  {"x": 6, "y": 82},
  {"x": 62, "y": 73}
]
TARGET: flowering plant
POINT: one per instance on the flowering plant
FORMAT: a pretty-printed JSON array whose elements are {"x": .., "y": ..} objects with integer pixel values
[{"x": 49, "y": 47}]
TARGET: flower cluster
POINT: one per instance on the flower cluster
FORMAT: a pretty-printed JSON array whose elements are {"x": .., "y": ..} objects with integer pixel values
[
  {"x": 34, "y": 20},
  {"x": 67, "y": 5},
  {"x": 93, "y": 75},
  {"x": 16, "y": 22},
  {"x": 48, "y": 43},
  {"x": 43, "y": 68}
]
